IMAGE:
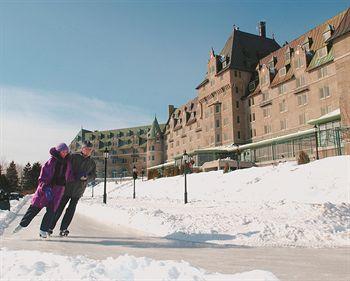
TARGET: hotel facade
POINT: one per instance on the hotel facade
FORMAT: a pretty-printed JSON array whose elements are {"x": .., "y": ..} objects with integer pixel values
[{"x": 258, "y": 102}]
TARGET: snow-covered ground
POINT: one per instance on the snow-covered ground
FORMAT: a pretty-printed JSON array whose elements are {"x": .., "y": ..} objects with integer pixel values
[
  {"x": 284, "y": 205},
  {"x": 34, "y": 265},
  {"x": 7, "y": 216}
]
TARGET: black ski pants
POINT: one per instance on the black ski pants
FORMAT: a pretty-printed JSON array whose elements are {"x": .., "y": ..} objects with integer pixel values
[
  {"x": 33, "y": 211},
  {"x": 69, "y": 214}
]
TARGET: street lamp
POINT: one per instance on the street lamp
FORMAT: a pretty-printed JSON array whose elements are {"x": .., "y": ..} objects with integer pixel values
[
  {"x": 185, "y": 161},
  {"x": 134, "y": 175},
  {"x": 142, "y": 173},
  {"x": 105, "y": 155},
  {"x": 316, "y": 139},
  {"x": 238, "y": 154}
]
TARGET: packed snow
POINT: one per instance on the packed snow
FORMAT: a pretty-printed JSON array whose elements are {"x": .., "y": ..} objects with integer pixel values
[
  {"x": 283, "y": 205},
  {"x": 6, "y": 217},
  {"x": 34, "y": 265}
]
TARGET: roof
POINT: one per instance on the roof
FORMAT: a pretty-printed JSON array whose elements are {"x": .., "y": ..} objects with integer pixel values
[
  {"x": 243, "y": 51},
  {"x": 315, "y": 37},
  {"x": 155, "y": 130},
  {"x": 329, "y": 117},
  {"x": 344, "y": 26}
]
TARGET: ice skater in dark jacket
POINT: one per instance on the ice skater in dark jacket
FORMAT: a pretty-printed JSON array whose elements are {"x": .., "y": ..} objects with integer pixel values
[{"x": 84, "y": 171}]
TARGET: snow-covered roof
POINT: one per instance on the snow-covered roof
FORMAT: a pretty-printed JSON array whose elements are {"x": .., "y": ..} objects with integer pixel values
[
  {"x": 329, "y": 117},
  {"x": 172, "y": 163}
]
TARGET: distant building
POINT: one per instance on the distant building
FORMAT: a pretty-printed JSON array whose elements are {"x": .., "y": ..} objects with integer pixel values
[{"x": 259, "y": 102}]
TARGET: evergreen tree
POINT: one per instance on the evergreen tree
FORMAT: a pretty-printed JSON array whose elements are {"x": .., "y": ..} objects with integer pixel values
[
  {"x": 26, "y": 181},
  {"x": 12, "y": 176},
  {"x": 34, "y": 175}
]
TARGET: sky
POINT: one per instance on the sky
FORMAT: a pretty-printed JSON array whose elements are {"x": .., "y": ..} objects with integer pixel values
[{"x": 114, "y": 64}]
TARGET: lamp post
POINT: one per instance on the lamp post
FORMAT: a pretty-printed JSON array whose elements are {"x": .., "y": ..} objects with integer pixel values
[
  {"x": 316, "y": 139},
  {"x": 105, "y": 155},
  {"x": 134, "y": 175},
  {"x": 238, "y": 155},
  {"x": 185, "y": 160}
]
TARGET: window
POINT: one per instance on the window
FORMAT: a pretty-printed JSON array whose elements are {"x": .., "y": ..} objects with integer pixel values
[
  {"x": 322, "y": 52},
  {"x": 300, "y": 81},
  {"x": 264, "y": 79},
  {"x": 265, "y": 96},
  {"x": 217, "y": 138},
  {"x": 238, "y": 120},
  {"x": 322, "y": 72},
  {"x": 217, "y": 123},
  {"x": 235, "y": 73},
  {"x": 302, "y": 99},
  {"x": 282, "y": 106},
  {"x": 325, "y": 110},
  {"x": 281, "y": 89},
  {"x": 249, "y": 102},
  {"x": 152, "y": 148},
  {"x": 299, "y": 62},
  {"x": 267, "y": 129},
  {"x": 254, "y": 132},
  {"x": 253, "y": 116},
  {"x": 266, "y": 111},
  {"x": 287, "y": 56},
  {"x": 283, "y": 124},
  {"x": 239, "y": 74},
  {"x": 282, "y": 71},
  {"x": 302, "y": 119},
  {"x": 217, "y": 108},
  {"x": 152, "y": 157},
  {"x": 237, "y": 104},
  {"x": 238, "y": 134},
  {"x": 236, "y": 90},
  {"x": 324, "y": 92}
]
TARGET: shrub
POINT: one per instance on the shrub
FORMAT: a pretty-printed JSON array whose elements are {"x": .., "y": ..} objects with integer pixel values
[{"x": 303, "y": 158}]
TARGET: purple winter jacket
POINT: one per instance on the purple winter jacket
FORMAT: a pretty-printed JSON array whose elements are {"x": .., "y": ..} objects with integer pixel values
[{"x": 45, "y": 179}]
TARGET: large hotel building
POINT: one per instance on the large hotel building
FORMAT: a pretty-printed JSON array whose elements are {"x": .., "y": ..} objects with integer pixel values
[{"x": 258, "y": 102}]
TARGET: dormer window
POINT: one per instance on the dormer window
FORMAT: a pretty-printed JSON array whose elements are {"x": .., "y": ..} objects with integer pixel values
[
  {"x": 322, "y": 52},
  {"x": 282, "y": 71},
  {"x": 328, "y": 32},
  {"x": 287, "y": 56},
  {"x": 307, "y": 44},
  {"x": 251, "y": 86}
]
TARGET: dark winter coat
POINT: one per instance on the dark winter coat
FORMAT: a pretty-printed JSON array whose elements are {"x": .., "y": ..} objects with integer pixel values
[
  {"x": 56, "y": 173},
  {"x": 81, "y": 166}
]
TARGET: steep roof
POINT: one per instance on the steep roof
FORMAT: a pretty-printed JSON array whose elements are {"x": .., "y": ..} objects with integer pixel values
[
  {"x": 245, "y": 49},
  {"x": 315, "y": 37},
  {"x": 344, "y": 26},
  {"x": 242, "y": 51},
  {"x": 155, "y": 130}
]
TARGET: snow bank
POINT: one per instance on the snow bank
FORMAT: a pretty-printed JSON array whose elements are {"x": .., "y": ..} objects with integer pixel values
[
  {"x": 284, "y": 205},
  {"x": 34, "y": 265},
  {"x": 7, "y": 216}
]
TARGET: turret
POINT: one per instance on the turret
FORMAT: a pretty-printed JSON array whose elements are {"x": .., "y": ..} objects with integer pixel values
[{"x": 155, "y": 145}]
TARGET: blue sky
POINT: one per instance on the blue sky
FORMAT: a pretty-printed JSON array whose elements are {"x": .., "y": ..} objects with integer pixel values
[{"x": 111, "y": 64}]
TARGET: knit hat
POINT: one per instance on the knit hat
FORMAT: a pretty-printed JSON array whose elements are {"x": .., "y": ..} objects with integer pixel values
[{"x": 62, "y": 147}]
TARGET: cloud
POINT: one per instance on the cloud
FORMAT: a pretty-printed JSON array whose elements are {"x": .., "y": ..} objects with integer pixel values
[{"x": 32, "y": 121}]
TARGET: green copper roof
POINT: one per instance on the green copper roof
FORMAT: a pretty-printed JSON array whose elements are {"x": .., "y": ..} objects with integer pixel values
[
  {"x": 316, "y": 61},
  {"x": 155, "y": 129}
]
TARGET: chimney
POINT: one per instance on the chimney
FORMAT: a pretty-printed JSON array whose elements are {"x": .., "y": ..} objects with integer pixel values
[
  {"x": 262, "y": 29},
  {"x": 171, "y": 110}
]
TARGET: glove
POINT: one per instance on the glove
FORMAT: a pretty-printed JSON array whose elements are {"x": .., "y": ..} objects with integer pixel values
[
  {"x": 82, "y": 176},
  {"x": 48, "y": 193}
]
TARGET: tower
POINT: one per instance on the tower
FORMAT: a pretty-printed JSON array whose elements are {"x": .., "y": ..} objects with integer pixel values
[{"x": 155, "y": 145}]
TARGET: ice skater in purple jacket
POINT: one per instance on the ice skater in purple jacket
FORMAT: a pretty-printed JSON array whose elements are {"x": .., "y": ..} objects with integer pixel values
[{"x": 53, "y": 176}]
